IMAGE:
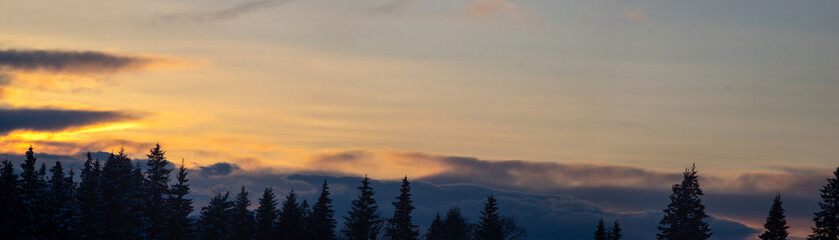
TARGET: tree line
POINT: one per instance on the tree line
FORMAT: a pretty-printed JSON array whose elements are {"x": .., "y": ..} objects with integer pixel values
[
  {"x": 685, "y": 218},
  {"x": 119, "y": 199}
]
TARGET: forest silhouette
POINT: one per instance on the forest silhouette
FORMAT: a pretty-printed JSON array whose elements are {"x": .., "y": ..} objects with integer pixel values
[{"x": 121, "y": 199}]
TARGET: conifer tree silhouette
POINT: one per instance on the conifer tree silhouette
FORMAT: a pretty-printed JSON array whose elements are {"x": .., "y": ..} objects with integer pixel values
[
  {"x": 59, "y": 202},
  {"x": 827, "y": 219},
  {"x": 455, "y": 226},
  {"x": 157, "y": 188},
  {"x": 776, "y": 223},
  {"x": 290, "y": 220},
  {"x": 489, "y": 225},
  {"x": 600, "y": 231},
  {"x": 266, "y": 214},
  {"x": 10, "y": 201},
  {"x": 363, "y": 221},
  {"x": 435, "y": 230},
  {"x": 89, "y": 212},
  {"x": 178, "y": 223},
  {"x": 400, "y": 226},
  {"x": 242, "y": 222},
  {"x": 684, "y": 218},
  {"x": 322, "y": 220},
  {"x": 615, "y": 232},
  {"x": 214, "y": 222},
  {"x": 33, "y": 195}
]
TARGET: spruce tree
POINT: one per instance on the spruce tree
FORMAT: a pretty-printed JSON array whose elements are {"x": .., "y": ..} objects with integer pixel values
[
  {"x": 33, "y": 194},
  {"x": 10, "y": 202},
  {"x": 89, "y": 212},
  {"x": 242, "y": 222},
  {"x": 59, "y": 200},
  {"x": 214, "y": 222},
  {"x": 306, "y": 212},
  {"x": 266, "y": 214},
  {"x": 363, "y": 221},
  {"x": 290, "y": 220},
  {"x": 455, "y": 226},
  {"x": 322, "y": 220},
  {"x": 827, "y": 219},
  {"x": 435, "y": 230},
  {"x": 157, "y": 189},
  {"x": 600, "y": 232},
  {"x": 400, "y": 226},
  {"x": 137, "y": 202},
  {"x": 66, "y": 218},
  {"x": 117, "y": 189},
  {"x": 489, "y": 225},
  {"x": 615, "y": 232},
  {"x": 178, "y": 223},
  {"x": 776, "y": 223},
  {"x": 684, "y": 218}
]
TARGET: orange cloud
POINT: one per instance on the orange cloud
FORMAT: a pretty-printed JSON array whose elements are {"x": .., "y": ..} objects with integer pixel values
[
  {"x": 492, "y": 8},
  {"x": 637, "y": 16}
]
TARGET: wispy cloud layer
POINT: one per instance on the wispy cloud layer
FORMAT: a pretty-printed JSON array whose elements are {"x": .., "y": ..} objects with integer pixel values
[
  {"x": 55, "y": 119},
  {"x": 59, "y": 61},
  {"x": 221, "y": 14}
]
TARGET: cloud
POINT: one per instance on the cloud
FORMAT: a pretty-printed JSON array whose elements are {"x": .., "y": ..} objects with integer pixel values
[
  {"x": 393, "y": 6},
  {"x": 221, "y": 14},
  {"x": 218, "y": 169},
  {"x": 544, "y": 216},
  {"x": 743, "y": 196},
  {"x": 504, "y": 8},
  {"x": 637, "y": 16},
  {"x": 73, "y": 62},
  {"x": 55, "y": 119}
]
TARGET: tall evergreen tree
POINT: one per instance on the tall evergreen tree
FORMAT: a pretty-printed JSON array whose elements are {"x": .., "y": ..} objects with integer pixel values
[
  {"x": 489, "y": 225},
  {"x": 10, "y": 202},
  {"x": 266, "y": 214},
  {"x": 776, "y": 223},
  {"x": 137, "y": 202},
  {"x": 615, "y": 232},
  {"x": 89, "y": 200},
  {"x": 179, "y": 225},
  {"x": 242, "y": 222},
  {"x": 306, "y": 212},
  {"x": 157, "y": 189},
  {"x": 214, "y": 222},
  {"x": 363, "y": 221},
  {"x": 684, "y": 217},
  {"x": 116, "y": 188},
  {"x": 33, "y": 195},
  {"x": 435, "y": 230},
  {"x": 66, "y": 218},
  {"x": 59, "y": 201},
  {"x": 322, "y": 220},
  {"x": 455, "y": 226},
  {"x": 400, "y": 226},
  {"x": 600, "y": 232},
  {"x": 290, "y": 220},
  {"x": 827, "y": 219}
]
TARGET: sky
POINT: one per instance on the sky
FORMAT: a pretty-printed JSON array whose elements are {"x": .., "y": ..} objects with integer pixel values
[{"x": 572, "y": 98}]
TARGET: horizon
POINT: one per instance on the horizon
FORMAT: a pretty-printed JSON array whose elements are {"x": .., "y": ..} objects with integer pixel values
[{"x": 605, "y": 102}]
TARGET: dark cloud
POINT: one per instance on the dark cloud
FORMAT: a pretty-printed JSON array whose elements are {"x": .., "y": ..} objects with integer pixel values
[
  {"x": 79, "y": 62},
  {"x": 221, "y": 14},
  {"x": 218, "y": 169},
  {"x": 745, "y": 196},
  {"x": 545, "y": 216},
  {"x": 55, "y": 119}
]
